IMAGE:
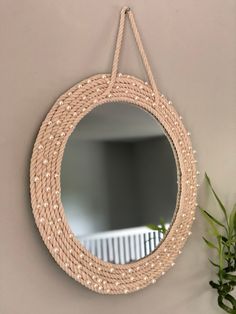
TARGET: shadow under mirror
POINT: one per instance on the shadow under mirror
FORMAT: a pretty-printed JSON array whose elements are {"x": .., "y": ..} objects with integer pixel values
[{"x": 119, "y": 182}]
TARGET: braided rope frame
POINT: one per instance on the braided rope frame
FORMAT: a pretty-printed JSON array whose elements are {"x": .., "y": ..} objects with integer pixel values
[{"x": 69, "y": 253}]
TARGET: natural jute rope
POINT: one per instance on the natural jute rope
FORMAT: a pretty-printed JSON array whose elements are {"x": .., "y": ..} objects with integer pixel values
[
  {"x": 45, "y": 168},
  {"x": 126, "y": 11}
]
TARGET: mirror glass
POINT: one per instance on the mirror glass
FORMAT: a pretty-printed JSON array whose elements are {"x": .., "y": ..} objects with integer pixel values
[{"x": 119, "y": 182}]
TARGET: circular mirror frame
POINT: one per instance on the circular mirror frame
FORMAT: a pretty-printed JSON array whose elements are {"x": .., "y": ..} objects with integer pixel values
[{"x": 69, "y": 253}]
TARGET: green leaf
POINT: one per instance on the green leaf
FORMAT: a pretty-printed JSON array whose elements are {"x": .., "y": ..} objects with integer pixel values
[
  {"x": 232, "y": 283},
  {"x": 224, "y": 239},
  {"x": 229, "y": 255},
  {"x": 214, "y": 219},
  {"x": 234, "y": 208},
  {"x": 153, "y": 227},
  {"x": 214, "y": 285},
  {"x": 163, "y": 226},
  {"x": 225, "y": 289},
  {"x": 221, "y": 256},
  {"x": 214, "y": 264},
  {"x": 231, "y": 300},
  {"x": 210, "y": 244},
  {"x": 232, "y": 221},
  {"x": 224, "y": 306},
  {"x": 217, "y": 198},
  {"x": 229, "y": 269},
  {"x": 229, "y": 277},
  {"x": 230, "y": 242},
  {"x": 210, "y": 221}
]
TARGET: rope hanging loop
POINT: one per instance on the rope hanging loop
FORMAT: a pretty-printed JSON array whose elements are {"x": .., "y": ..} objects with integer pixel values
[{"x": 126, "y": 11}]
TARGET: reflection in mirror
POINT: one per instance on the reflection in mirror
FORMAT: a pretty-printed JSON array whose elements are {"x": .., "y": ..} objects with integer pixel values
[{"x": 119, "y": 182}]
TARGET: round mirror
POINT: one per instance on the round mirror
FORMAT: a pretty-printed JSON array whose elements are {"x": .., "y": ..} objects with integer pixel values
[
  {"x": 119, "y": 182},
  {"x": 105, "y": 187}
]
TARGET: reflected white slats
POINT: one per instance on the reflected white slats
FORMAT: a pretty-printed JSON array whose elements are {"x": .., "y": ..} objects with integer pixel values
[
  {"x": 137, "y": 246},
  {"x": 104, "y": 250},
  {"x": 122, "y": 246},
  {"x": 147, "y": 244},
  {"x": 156, "y": 239},
  {"x": 142, "y": 244},
  {"x": 116, "y": 250},
  {"x": 127, "y": 250},
  {"x": 152, "y": 242},
  {"x": 93, "y": 247},
  {"x": 132, "y": 248},
  {"x": 99, "y": 249},
  {"x": 110, "y": 249},
  {"x": 121, "y": 250}
]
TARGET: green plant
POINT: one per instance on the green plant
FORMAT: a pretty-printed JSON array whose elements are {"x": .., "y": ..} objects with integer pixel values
[
  {"x": 161, "y": 227},
  {"x": 223, "y": 241}
]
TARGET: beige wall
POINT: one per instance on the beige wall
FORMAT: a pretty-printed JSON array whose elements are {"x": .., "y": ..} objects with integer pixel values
[{"x": 47, "y": 46}]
